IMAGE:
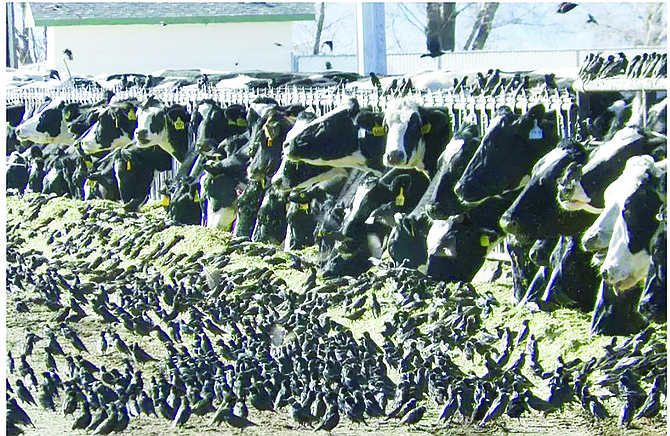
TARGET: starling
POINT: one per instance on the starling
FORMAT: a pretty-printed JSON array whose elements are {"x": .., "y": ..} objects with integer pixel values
[
  {"x": 413, "y": 416},
  {"x": 566, "y": 7},
  {"x": 375, "y": 80},
  {"x": 331, "y": 420},
  {"x": 24, "y": 394},
  {"x": 183, "y": 414},
  {"x": 591, "y": 20},
  {"x": 84, "y": 419},
  {"x": 140, "y": 355}
]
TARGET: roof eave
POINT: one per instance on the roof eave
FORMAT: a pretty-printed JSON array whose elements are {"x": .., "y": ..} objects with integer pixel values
[{"x": 173, "y": 20}]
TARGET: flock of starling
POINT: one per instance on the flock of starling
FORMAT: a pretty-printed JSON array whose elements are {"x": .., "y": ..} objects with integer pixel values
[
  {"x": 490, "y": 84},
  {"x": 202, "y": 340},
  {"x": 649, "y": 66}
]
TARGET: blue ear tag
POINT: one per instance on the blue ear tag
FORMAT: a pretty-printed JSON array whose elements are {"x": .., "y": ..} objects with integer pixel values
[{"x": 535, "y": 132}]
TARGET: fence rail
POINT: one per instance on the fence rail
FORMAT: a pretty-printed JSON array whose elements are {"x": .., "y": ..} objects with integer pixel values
[{"x": 462, "y": 108}]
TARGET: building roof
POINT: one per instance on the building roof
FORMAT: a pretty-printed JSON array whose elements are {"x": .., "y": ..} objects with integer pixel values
[{"x": 80, "y": 14}]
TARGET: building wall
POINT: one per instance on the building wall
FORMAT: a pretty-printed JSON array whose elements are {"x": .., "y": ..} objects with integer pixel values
[{"x": 110, "y": 49}]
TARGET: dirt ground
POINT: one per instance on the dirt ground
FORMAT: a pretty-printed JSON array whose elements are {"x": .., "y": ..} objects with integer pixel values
[{"x": 573, "y": 421}]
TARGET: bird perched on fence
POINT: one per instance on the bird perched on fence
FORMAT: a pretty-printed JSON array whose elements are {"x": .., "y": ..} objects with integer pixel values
[{"x": 375, "y": 80}]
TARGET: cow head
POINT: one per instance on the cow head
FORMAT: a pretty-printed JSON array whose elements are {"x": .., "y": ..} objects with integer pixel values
[
  {"x": 48, "y": 125},
  {"x": 114, "y": 128},
  {"x": 164, "y": 126},
  {"x": 416, "y": 135}
]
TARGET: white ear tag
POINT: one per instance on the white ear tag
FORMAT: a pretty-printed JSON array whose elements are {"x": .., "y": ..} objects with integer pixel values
[
  {"x": 535, "y": 132},
  {"x": 361, "y": 133}
]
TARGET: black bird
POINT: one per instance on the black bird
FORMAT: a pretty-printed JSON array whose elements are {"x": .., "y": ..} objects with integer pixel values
[
  {"x": 331, "y": 420},
  {"x": 16, "y": 414},
  {"x": 592, "y": 20},
  {"x": 302, "y": 414},
  {"x": 24, "y": 394},
  {"x": 496, "y": 409},
  {"x": 140, "y": 355},
  {"x": 183, "y": 414},
  {"x": 67, "y": 52},
  {"x": 566, "y": 7},
  {"x": 98, "y": 418},
  {"x": 413, "y": 416},
  {"x": 76, "y": 342},
  {"x": 329, "y": 44},
  {"x": 107, "y": 426},
  {"x": 31, "y": 340},
  {"x": 434, "y": 47},
  {"x": 84, "y": 419},
  {"x": 375, "y": 80},
  {"x": 652, "y": 404}
]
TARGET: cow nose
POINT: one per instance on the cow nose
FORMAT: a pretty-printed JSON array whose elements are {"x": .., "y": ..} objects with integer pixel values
[
  {"x": 395, "y": 157},
  {"x": 509, "y": 225}
]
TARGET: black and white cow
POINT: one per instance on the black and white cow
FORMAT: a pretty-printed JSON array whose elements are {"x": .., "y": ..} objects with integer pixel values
[
  {"x": 114, "y": 128},
  {"x": 49, "y": 123},
  {"x": 338, "y": 139},
  {"x": 582, "y": 186},
  {"x": 508, "y": 150},
  {"x": 220, "y": 186},
  {"x": 182, "y": 201},
  {"x": 268, "y": 137},
  {"x": 165, "y": 126},
  {"x": 416, "y": 135},
  {"x": 628, "y": 222}
]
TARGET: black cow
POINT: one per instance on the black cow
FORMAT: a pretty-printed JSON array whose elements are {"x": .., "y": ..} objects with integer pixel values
[
  {"x": 271, "y": 220},
  {"x": 134, "y": 171},
  {"x": 416, "y": 135},
  {"x": 17, "y": 172},
  {"x": 536, "y": 214},
  {"x": 654, "y": 298},
  {"x": 101, "y": 182},
  {"x": 510, "y": 147},
  {"x": 268, "y": 137},
  {"x": 248, "y": 204},
  {"x": 182, "y": 201},
  {"x": 456, "y": 248}
]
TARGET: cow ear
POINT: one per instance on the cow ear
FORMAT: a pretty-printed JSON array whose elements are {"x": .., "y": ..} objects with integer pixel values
[
  {"x": 366, "y": 119},
  {"x": 438, "y": 121}
]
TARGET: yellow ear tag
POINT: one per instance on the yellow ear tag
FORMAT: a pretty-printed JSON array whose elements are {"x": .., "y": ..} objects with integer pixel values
[
  {"x": 425, "y": 129},
  {"x": 400, "y": 199},
  {"x": 270, "y": 142},
  {"x": 132, "y": 116},
  {"x": 90, "y": 183},
  {"x": 263, "y": 183},
  {"x": 379, "y": 131},
  {"x": 88, "y": 164},
  {"x": 179, "y": 124},
  {"x": 116, "y": 122},
  {"x": 166, "y": 201},
  {"x": 66, "y": 115},
  {"x": 196, "y": 197},
  {"x": 303, "y": 206},
  {"x": 128, "y": 166},
  {"x": 484, "y": 241},
  {"x": 242, "y": 122}
]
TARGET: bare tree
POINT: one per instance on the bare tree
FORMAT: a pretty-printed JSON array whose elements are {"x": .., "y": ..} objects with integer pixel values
[
  {"x": 319, "y": 28},
  {"x": 482, "y": 28},
  {"x": 441, "y": 27}
]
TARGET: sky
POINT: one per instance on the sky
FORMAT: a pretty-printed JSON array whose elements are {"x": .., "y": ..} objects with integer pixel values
[{"x": 517, "y": 26}]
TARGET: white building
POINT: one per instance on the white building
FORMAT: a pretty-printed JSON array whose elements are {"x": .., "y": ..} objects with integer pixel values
[{"x": 109, "y": 38}]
